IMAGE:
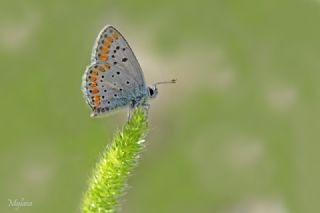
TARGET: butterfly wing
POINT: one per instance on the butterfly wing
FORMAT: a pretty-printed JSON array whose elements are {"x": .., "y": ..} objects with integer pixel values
[
  {"x": 114, "y": 79},
  {"x": 112, "y": 48}
]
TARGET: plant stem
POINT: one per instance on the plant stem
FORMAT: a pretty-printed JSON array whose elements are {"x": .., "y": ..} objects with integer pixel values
[{"x": 108, "y": 181}]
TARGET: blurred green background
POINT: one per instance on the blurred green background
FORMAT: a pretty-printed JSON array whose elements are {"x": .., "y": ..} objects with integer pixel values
[{"x": 238, "y": 133}]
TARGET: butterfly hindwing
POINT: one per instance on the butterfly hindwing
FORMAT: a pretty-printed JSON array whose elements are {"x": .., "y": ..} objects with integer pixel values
[{"x": 101, "y": 93}]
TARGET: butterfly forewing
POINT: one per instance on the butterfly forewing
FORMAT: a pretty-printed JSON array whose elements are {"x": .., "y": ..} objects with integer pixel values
[{"x": 112, "y": 48}]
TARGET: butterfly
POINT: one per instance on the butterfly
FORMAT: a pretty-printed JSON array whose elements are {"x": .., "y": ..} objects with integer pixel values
[{"x": 114, "y": 79}]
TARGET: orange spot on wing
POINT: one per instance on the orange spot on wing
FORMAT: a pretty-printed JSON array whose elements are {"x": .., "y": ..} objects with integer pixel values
[
  {"x": 93, "y": 84},
  {"x": 104, "y": 49},
  {"x": 94, "y": 90},
  {"x": 103, "y": 57},
  {"x": 94, "y": 76},
  {"x": 101, "y": 69},
  {"x": 107, "y": 65},
  {"x": 115, "y": 35},
  {"x": 96, "y": 100},
  {"x": 106, "y": 43},
  {"x": 110, "y": 39}
]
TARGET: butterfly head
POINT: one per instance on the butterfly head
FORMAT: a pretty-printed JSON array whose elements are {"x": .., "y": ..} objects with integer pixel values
[{"x": 153, "y": 89}]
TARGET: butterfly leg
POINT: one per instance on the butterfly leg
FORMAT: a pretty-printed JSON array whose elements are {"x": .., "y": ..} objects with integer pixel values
[
  {"x": 146, "y": 108},
  {"x": 129, "y": 113}
]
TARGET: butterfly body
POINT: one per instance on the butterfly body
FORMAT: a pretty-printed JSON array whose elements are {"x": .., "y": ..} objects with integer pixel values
[{"x": 114, "y": 78}]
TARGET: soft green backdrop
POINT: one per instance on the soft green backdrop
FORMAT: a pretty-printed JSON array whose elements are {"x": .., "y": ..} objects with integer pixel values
[{"x": 238, "y": 133}]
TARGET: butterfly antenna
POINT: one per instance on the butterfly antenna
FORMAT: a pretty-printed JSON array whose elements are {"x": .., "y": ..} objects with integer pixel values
[{"x": 173, "y": 81}]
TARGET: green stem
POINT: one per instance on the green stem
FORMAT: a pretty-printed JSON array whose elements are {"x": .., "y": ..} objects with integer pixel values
[{"x": 109, "y": 178}]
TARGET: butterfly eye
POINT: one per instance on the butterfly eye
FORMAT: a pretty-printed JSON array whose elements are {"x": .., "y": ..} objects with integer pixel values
[{"x": 151, "y": 92}]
